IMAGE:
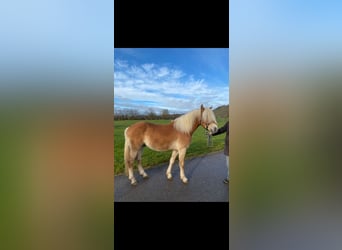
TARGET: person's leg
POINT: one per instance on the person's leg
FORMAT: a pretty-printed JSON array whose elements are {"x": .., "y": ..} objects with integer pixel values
[
  {"x": 227, "y": 159},
  {"x": 227, "y": 162}
]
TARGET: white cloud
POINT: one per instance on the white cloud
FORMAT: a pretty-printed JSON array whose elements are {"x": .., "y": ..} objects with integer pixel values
[
  {"x": 120, "y": 64},
  {"x": 147, "y": 66},
  {"x": 175, "y": 74},
  {"x": 163, "y": 71},
  {"x": 167, "y": 87}
]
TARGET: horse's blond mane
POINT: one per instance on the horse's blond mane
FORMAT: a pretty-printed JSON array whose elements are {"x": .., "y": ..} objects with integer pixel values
[{"x": 185, "y": 122}]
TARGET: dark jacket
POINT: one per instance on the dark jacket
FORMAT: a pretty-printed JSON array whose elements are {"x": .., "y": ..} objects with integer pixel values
[{"x": 224, "y": 129}]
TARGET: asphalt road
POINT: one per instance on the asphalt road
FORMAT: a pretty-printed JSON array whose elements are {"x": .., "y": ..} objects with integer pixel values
[{"x": 205, "y": 174}]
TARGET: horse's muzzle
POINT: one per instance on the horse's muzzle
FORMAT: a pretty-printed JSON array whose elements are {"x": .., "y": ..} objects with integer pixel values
[{"x": 212, "y": 129}]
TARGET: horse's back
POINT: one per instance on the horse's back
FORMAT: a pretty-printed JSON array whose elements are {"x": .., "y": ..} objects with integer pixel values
[{"x": 136, "y": 129}]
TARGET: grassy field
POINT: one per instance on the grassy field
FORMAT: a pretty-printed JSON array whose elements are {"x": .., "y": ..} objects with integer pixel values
[{"x": 150, "y": 158}]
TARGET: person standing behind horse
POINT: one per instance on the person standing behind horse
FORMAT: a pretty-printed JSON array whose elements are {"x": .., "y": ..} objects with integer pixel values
[{"x": 225, "y": 129}]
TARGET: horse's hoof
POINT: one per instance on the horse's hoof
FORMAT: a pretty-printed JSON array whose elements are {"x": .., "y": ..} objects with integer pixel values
[
  {"x": 185, "y": 181},
  {"x": 145, "y": 176},
  {"x": 134, "y": 183},
  {"x": 169, "y": 177}
]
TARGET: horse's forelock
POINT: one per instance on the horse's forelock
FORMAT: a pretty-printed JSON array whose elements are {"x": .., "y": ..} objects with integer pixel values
[{"x": 208, "y": 115}]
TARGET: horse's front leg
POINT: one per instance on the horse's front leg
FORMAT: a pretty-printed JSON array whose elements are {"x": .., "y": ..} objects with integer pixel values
[
  {"x": 181, "y": 157},
  {"x": 172, "y": 160}
]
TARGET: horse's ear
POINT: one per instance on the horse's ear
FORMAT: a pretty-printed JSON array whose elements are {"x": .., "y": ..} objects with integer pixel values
[{"x": 202, "y": 108}]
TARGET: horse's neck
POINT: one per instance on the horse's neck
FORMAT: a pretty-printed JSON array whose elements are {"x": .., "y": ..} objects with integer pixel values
[{"x": 196, "y": 124}]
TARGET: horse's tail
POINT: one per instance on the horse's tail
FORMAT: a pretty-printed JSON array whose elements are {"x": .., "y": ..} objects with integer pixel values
[{"x": 127, "y": 151}]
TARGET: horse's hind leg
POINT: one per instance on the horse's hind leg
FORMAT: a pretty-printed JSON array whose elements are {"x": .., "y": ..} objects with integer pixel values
[
  {"x": 172, "y": 160},
  {"x": 132, "y": 156},
  {"x": 140, "y": 167}
]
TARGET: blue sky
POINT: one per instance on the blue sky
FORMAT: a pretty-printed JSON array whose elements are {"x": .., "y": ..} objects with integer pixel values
[{"x": 177, "y": 79}]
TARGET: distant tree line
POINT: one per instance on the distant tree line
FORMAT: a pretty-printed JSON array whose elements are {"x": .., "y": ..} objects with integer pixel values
[{"x": 150, "y": 114}]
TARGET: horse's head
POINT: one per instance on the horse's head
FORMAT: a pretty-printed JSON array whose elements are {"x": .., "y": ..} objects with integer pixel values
[{"x": 208, "y": 119}]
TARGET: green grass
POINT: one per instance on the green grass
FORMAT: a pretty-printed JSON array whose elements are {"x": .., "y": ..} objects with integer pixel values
[{"x": 151, "y": 158}]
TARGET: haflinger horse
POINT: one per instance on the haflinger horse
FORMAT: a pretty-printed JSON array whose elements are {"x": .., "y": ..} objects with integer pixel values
[{"x": 175, "y": 136}]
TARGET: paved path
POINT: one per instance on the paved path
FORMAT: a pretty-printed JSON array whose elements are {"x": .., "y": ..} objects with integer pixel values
[{"x": 205, "y": 174}]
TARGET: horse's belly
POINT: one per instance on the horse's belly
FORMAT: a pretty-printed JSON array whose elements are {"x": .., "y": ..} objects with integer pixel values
[
  {"x": 160, "y": 145},
  {"x": 156, "y": 147}
]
